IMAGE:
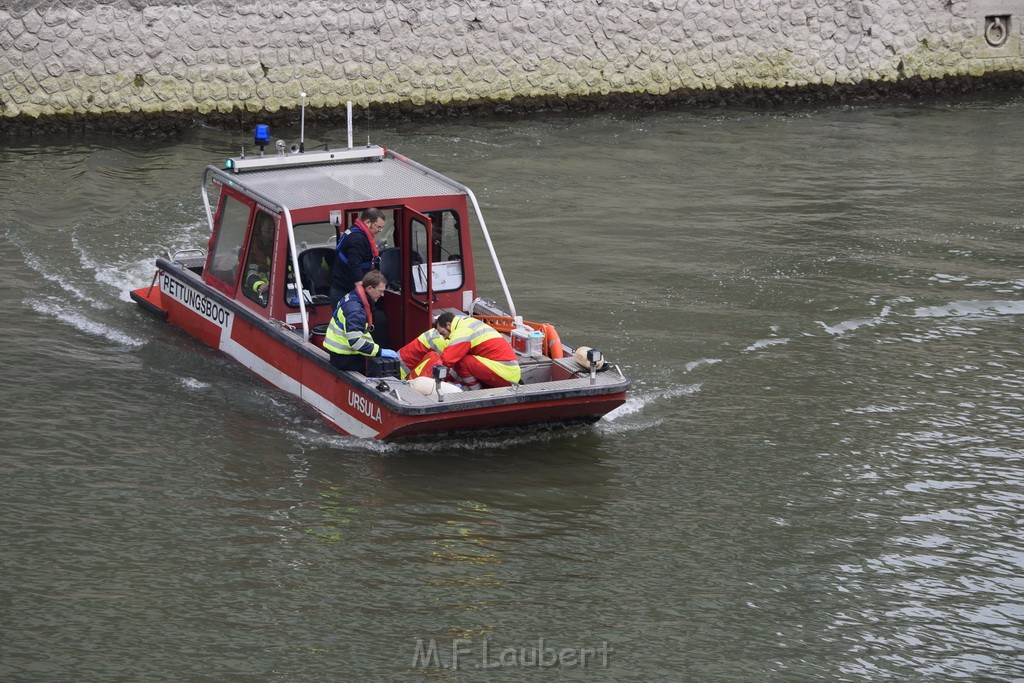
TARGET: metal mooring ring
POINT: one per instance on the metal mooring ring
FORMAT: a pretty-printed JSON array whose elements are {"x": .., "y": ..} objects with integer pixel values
[{"x": 996, "y": 32}]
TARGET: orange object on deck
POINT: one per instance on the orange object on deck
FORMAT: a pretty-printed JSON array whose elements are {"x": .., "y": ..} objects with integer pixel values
[{"x": 505, "y": 324}]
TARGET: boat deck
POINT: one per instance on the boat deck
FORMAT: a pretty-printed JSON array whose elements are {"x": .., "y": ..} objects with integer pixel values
[{"x": 580, "y": 379}]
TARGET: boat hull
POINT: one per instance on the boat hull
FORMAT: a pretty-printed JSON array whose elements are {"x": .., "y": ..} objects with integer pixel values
[{"x": 351, "y": 403}]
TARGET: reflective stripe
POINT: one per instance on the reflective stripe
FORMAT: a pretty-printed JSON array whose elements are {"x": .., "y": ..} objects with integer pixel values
[
  {"x": 421, "y": 366},
  {"x": 507, "y": 370},
  {"x": 430, "y": 339},
  {"x": 477, "y": 331},
  {"x": 254, "y": 278},
  {"x": 343, "y": 341}
]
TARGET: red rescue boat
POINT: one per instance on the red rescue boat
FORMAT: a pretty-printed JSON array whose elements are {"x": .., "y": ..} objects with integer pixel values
[{"x": 308, "y": 198}]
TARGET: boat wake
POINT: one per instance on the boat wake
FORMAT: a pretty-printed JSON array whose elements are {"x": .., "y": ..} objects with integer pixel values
[
  {"x": 629, "y": 416},
  {"x": 693, "y": 365},
  {"x": 69, "y": 285},
  {"x": 623, "y": 419},
  {"x": 461, "y": 444},
  {"x": 59, "y": 278},
  {"x": 193, "y": 384},
  {"x": 766, "y": 343},
  {"x": 971, "y": 309},
  {"x": 73, "y": 316},
  {"x": 119, "y": 277},
  {"x": 636, "y": 403},
  {"x": 848, "y": 326}
]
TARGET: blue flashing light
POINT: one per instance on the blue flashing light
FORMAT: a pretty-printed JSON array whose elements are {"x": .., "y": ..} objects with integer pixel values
[
  {"x": 261, "y": 136},
  {"x": 229, "y": 163}
]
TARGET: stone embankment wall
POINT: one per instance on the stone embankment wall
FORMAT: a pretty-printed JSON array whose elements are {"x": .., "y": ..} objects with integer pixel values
[{"x": 86, "y": 59}]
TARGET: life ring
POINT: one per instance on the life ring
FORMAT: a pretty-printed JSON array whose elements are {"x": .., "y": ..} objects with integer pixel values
[{"x": 552, "y": 343}]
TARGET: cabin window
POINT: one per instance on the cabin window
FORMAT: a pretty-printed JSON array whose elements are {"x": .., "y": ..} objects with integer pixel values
[
  {"x": 259, "y": 259},
  {"x": 227, "y": 249},
  {"x": 316, "y": 245},
  {"x": 446, "y": 243},
  {"x": 445, "y": 253},
  {"x": 313, "y": 235},
  {"x": 387, "y": 233}
]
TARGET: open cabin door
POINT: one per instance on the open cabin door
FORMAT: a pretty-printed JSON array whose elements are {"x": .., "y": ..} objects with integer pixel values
[{"x": 411, "y": 277}]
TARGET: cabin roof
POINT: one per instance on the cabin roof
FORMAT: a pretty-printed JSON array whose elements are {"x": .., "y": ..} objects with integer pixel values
[{"x": 331, "y": 184}]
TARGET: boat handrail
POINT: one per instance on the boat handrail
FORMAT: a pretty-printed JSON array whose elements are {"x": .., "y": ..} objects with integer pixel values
[
  {"x": 195, "y": 252},
  {"x": 271, "y": 204},
  {"x": 479, "y": 217}
]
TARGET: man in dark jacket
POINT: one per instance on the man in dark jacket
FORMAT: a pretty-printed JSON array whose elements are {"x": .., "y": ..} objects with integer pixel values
[
  {"x": 357, "y": 253},
  {"x": 357, "y": 256}
]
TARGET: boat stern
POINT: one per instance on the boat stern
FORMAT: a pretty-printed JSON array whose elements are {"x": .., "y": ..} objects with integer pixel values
[{"x": 151, "y": 299}]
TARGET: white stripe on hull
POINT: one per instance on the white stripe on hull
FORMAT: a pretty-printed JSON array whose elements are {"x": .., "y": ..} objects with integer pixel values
[{"x": 330, "y": 410}]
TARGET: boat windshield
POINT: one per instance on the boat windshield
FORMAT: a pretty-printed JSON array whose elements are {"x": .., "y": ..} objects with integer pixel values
[
  {"x": 314, "y": 234},
  {"x": 224, "y": 257}
]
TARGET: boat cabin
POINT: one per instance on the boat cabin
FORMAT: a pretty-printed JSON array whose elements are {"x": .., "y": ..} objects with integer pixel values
[{"x": 265, "y": 230}]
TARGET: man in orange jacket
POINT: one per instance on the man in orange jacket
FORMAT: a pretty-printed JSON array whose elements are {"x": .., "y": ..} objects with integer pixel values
[
  {"x": 424, "y": 352},
  {"x": 477, "y": 353}
]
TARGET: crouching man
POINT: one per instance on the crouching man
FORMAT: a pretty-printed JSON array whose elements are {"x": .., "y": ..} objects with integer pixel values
[{"x": 477, "y": 353}]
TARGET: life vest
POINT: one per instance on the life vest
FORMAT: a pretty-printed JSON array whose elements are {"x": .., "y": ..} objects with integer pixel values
[
  {"x": 359, "y": 226},
  {"x": 367, "y": 308},
  {"x": 349, "y": 331}
]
